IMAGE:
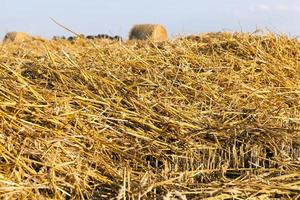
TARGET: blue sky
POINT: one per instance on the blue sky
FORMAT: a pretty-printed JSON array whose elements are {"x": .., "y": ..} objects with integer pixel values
[{"x": 116, "y": 17}]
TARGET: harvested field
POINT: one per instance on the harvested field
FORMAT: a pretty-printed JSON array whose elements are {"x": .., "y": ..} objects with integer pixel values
[{"x": 214, "y": 116}]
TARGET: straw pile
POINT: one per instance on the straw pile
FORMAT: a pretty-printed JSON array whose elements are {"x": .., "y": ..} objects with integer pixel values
[{"x": 214, "y": 116}]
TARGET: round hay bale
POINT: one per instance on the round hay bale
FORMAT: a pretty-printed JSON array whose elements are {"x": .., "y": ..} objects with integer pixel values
[
  {"x": 16, "y": 37},
  {"x": 153, "y": 32}
]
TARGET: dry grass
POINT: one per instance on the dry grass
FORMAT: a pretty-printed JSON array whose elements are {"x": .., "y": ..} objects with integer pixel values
[{"x": 214, "y": 116}]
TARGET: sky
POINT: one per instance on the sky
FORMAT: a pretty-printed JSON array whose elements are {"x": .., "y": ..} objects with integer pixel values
[{"x": 116, "y": 17}]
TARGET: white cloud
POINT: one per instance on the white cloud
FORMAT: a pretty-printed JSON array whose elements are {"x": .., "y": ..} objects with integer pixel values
[
  {"x": 281, "y": 8},
  {"x": 263, "y": 7},
  {"x": 274, "y": 8},
  {"x": 297, "y": 8}
]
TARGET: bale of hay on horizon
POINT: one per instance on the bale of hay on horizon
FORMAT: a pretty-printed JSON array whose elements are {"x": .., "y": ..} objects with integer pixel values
[
  {"x": 153, "y": 32},
  {"x": 16, "y": 37}
]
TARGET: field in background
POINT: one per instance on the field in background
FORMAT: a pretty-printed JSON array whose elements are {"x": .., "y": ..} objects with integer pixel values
[{"x": 214, "y": 116}]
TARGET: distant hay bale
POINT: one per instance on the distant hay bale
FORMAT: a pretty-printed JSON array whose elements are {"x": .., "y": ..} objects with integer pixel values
[
  {"x": 153, "y": 32},
  {"x": 16, "y": 37}
]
